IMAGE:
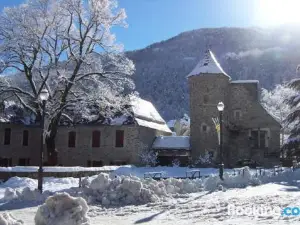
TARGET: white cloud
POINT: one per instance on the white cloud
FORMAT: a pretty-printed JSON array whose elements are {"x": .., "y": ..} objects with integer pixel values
[{"x": 252, "y": 52}]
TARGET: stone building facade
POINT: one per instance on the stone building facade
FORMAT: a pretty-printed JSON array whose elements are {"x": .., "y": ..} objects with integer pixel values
[
  {"x": 249, "y": 132},
  {"x": 85, "y": 145}
]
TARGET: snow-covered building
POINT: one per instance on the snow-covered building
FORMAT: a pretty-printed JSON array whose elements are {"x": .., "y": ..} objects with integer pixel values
[
  {"x": 169, "y": 148},
  {"x": 249, "y": 131},
  {"x": 113, "y": 141},
  {"x": 180, "y": 127}
]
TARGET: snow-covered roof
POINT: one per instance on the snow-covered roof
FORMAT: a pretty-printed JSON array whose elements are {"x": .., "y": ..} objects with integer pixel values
[
  {"x": 172, "y": 142},
  {"x": 208, "y": 65},
  {"x": 145, "y": 114},
  {"x": 245, "y": 82}
]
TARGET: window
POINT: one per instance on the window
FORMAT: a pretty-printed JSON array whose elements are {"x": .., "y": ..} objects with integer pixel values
[
  {"x": 205, "y": 99},
  {"x": 254, "y": 139},
  {"x": 204, "y": 128},
  {"x": 97, "y": 163},
  {"x": 117, "y": 163},
  {"x": 237, "y": 114},
  {"x": 96, "y": 138},
  {"x": 7, "y": 134},
  {"x": 5, "y": 162},
  {"x": 89, "y": 163},
  {"x": 94, "y": 163},
  {"x": 263, "y": 139},
  {"x": 72, "y": 139},
  {"x": 120, "y": 138},
  {"x": 24, "y": 162},
  {"x": 259, "y": 139},
  {"x": 25, "y": 137}
]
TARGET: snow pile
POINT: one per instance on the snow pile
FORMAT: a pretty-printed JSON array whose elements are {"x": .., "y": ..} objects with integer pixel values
[
  {"x": 18, "y": 182},
  {"x": 62, "y": 209},
  {"x": 8, "y": 219},
  {"x": 286, "y": 176},
  {"x": 10, "y": 194},
  {"x": 26, "y": 194},
  {"x": 182, "y": 186},
  {"x": 168, "y": 171},
  {"x": 117, "y": 190},
  {"x": 241, "y": 180}
]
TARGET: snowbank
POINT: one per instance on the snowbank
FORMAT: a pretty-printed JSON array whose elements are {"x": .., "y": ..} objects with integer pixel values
[
  {"x": 242, "y": 180},
  {"x": 168, "y": 171},
  {"x": 18, "y": 182},
  {"x": 115, "y": 190},
  {"x": 8, "y": 219},
  {"x": 62, "y": 209},
  {"x": 111, "y": 189},
  {"x": 26, "y": 194}
]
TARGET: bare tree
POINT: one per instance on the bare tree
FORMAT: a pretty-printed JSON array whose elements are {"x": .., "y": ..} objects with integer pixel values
[{"x": 66, "y": 47}]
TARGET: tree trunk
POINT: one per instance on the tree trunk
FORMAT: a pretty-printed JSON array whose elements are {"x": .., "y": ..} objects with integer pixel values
[
  {"x": 50, "y": 142},
  {"x": 51, "y": 151},
  {"x": 282, "y": 136}
]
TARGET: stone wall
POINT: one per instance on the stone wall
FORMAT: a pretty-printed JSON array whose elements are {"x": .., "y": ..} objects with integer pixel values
[
  {"x": 244, "y": 97},
  {"x": 15, "y": 149},
  {"x": 206, "y": 91},
  {"x": 136, "y": 138}
]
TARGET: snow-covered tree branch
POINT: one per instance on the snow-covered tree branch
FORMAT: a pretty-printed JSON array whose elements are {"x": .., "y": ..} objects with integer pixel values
[
  {"x": 275, "y": 103},
  {"x": 66, "y": 47}
]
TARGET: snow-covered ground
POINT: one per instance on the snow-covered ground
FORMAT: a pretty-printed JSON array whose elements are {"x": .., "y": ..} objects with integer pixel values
[
  {"x": 202, "y": 206},
  {"x": 197, "y": 208}
]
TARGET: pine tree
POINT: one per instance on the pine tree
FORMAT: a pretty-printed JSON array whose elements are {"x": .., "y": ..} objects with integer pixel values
[{"x": 293, "y": 142}]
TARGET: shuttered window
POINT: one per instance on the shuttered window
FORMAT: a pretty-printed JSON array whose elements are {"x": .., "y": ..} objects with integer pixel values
[
  {"x": 7, "y": 135},
  {"x": 96, "y": 139},
  {"x": 25, "y": 137},
  {"x": 72, "y": 139},
  {"x": 119, "y": 138}
]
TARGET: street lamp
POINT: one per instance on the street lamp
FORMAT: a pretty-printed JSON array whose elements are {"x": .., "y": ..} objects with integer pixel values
[
  {"x": 43, "y": 96},
  {"x": 220, "y": 107}
]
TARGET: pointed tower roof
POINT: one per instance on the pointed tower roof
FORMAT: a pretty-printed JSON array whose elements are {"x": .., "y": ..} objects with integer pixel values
[{"x": 208, "y": 65}]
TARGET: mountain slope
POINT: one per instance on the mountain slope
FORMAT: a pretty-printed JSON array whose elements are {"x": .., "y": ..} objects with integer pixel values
[{"x": 268, "y": 55}]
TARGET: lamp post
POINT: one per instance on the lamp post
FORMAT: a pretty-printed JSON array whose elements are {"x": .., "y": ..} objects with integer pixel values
[
  {"x": 44, "y": 95},
  {"x": 220, "y": 107}
]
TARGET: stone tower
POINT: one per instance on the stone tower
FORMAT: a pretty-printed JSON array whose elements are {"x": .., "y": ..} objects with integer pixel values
[{"x": 208, "y": 85}]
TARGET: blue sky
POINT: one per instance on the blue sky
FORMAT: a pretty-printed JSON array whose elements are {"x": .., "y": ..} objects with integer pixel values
[{"x": 156, "y": 20}]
